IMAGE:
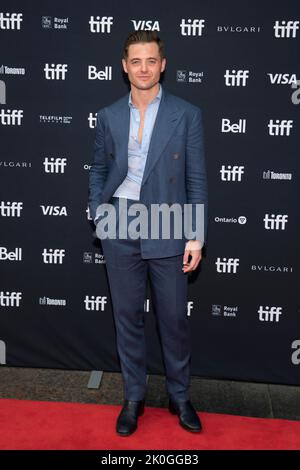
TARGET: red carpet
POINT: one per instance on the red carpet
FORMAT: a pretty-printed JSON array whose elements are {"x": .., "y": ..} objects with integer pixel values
[{"x": 37, "y": 425}]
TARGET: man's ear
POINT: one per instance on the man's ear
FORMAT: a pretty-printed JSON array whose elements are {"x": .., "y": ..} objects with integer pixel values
[
  {"x": 163, "y": 64},
  {"x": 124, "y": 65}
]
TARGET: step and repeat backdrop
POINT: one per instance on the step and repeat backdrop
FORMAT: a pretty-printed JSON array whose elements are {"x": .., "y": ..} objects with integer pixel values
[{"x": 60, "y": 62}]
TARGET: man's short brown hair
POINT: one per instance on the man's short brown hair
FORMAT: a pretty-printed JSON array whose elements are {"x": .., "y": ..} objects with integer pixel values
[{"x": 143, "y": 35}]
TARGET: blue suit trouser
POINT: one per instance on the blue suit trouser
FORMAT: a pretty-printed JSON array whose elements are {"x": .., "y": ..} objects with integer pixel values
[{"x": 128, "y": 274}]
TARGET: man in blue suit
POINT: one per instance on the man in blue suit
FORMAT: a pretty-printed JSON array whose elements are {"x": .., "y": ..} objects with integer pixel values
[{"x": 149, "y": 150}]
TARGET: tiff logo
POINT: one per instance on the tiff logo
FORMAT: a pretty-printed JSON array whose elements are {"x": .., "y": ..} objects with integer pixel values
[
  {"x": 280, "y": 127},
  {"x": 100, "y": 24},
  {"x": 287, "y": 29},
  {"x": 53, "y": 256},
  {"x": 269, "y": 314},
  {"x": 11, "y": 117},
  {"x": 92, "y": 120},
  {"x": 10, "y": 299},
  {"x": 54, "y": 165},
  {"x": 10, "y": 20},
  {"x": 11, "y": 209},
  {"x": 55, "y": 71},
  {"x": 190, "y": 306},
  {"x": 227, "y": 265},
  {"x": 95, "y": 303},
  {"x": 192, "y": 27},
  {"x": 275, "y": 222},
  {"x": 232, "y": 173},
  {"x": 236, "y": 77}
]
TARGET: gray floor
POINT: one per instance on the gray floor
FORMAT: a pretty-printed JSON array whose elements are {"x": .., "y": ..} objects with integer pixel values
[{"x": 213, "y": 396}]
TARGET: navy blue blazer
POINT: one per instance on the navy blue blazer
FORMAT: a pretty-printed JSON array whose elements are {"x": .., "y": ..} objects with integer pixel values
[{"x": 175, "y": 170}]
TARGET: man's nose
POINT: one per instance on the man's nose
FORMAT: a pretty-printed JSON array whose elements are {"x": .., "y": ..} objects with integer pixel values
[{"x": 144, "y": 66}]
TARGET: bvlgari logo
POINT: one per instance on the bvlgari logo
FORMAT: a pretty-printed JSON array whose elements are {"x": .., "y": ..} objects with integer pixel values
[
  {"x": 238, "y": 29},
  {"x": 272, "y": 268}
]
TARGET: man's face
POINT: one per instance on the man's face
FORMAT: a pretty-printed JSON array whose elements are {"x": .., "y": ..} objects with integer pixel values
[{"x": 144, "y": 65}]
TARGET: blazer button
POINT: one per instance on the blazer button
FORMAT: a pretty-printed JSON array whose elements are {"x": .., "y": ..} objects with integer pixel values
[
  {"x": 176, "y": 156},
  {"x": 172, "y": 179},
  {"x": 111, "y": 155}
]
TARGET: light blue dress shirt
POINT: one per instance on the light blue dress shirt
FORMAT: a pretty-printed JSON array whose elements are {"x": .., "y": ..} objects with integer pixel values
[{"x": 137, "y": 152}]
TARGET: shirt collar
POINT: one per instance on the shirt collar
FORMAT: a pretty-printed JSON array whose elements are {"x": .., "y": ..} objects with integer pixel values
[{"x": 157, "y": 97}]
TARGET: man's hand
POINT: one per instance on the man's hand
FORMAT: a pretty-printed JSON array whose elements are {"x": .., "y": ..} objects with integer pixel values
[{"x": 193, "y": 248}]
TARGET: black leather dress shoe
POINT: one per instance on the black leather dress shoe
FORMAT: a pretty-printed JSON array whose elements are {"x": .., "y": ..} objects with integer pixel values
[
  {"x": 188, "y": 417},
  {"x": 128, "y": 418}
]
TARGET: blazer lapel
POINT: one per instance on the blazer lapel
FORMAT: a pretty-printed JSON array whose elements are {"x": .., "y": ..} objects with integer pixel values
[{"x": 166, "y": 121}]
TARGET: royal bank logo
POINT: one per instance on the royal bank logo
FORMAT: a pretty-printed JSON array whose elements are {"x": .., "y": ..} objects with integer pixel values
[
  {"x": 188, "y": 76},
  {"x": 219, "y": 311},
  {"x": 93, "y": 258},
  {"x": 286, "y": 29},
  {"x": 148, "y": 25},
  {"x": 49, "y": 22},
  {"x": 192, "y": 27}
]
